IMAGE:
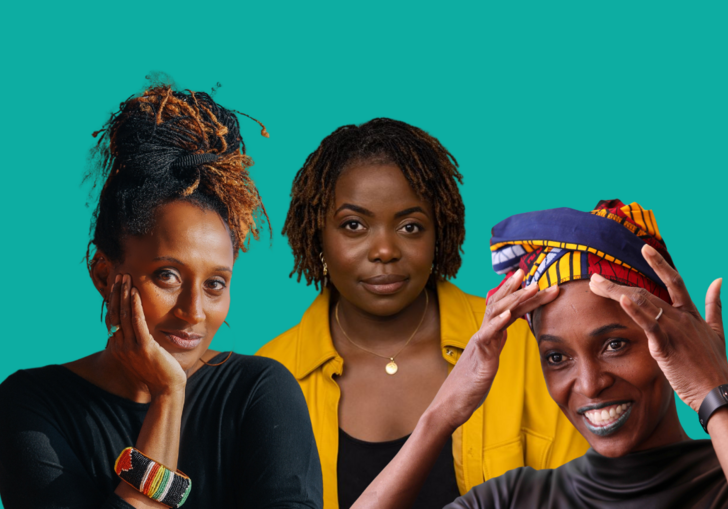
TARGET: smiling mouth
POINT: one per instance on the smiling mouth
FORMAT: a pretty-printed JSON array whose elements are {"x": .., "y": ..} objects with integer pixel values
[
  {"x": 604, "y": 420},
  {"x": 183, "y": 339}
]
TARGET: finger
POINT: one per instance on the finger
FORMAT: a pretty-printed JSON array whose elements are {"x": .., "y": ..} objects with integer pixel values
[
  {"x": 540, "y": 299},
  {"x": 140, "y": 323},
  {"x": 509, "y": 301},
  {"x": 495, "y": 327},
  {"x": 611, "y": 290},
  {"x": 112, "y": 306},
  {"x": 125, "y": 310},
  {"x": 506, "y": 288},
  {"x": 714, "y": 307},
  {"x": 672, "y": 279},
  {"x": 646, "y": 316}
]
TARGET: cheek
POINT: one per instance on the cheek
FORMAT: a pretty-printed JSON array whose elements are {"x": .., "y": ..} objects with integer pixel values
[
  {"x": 342, "y": 254},
  {"x": 557, "y": 384},
  {"x": 155, "y": 302},
  {"x": 217, "y": 310}
]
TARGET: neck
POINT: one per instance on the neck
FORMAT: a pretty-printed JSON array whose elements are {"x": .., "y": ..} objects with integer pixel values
[
  {"x": 116, "y": 379},
  {"x": 375, "y": 331}
]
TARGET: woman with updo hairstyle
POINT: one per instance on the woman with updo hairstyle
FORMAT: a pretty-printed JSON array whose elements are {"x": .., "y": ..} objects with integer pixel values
[
  {"x": 157, "y": 418},
  {"x": 377, "y": 222}
]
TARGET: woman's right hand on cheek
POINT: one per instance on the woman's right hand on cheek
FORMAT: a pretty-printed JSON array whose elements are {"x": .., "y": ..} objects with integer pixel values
[
  {"x": 133, "y": 346},
  {"x": 470, "y": 380}
]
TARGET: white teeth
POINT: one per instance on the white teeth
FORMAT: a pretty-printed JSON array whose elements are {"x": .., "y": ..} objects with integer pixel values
[{"x": 604, "y": 415}]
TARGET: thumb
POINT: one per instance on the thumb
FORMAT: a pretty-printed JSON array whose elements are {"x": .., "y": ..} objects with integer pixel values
[{"x": 714, "y": 307}]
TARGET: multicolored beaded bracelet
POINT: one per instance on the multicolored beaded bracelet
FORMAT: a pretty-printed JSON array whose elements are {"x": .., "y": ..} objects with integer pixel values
[{"x": 152, "y": 479}]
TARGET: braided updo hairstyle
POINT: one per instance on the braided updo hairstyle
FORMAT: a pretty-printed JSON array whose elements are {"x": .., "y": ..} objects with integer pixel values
[
  {"x": 430, "y": 169},
  {"x": 164, "y": 146}
]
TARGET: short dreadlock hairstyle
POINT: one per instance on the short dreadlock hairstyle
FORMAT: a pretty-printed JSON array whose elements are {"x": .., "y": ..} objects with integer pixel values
[
  {"x": 137, "y": 160},
  {"x": 428, "y": 167}
]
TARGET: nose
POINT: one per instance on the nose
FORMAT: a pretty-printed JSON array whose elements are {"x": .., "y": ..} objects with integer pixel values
[
  {"x": 384, "y": 247},
  {"x": 592, "y": 379},
  {"x": 190, "y": 306}
]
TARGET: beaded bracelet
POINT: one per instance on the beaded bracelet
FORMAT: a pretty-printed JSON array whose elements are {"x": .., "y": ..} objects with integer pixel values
[{"x": 152, "y": 479}]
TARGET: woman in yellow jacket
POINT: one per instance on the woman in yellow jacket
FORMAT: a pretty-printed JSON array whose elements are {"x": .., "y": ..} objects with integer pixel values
[{"x": 377, "y": 220}]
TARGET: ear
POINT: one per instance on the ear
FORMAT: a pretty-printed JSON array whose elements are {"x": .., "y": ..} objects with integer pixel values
[{"x": 102, "y": 273}]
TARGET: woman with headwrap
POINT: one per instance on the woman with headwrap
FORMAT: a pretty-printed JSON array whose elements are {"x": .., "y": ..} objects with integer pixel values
[{"x": 618, "y": 337}]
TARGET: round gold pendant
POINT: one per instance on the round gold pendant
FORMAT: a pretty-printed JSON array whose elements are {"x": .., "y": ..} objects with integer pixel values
[{"x": 391, "y": 368}]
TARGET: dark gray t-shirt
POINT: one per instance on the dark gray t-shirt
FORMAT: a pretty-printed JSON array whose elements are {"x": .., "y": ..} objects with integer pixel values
[
  {"x": 681, "y": 476},
  {"x": 246, "y": 439}
]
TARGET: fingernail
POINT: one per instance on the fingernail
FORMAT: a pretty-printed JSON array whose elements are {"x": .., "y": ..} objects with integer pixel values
[
  {"x": 116, "y": 279},
  {"x": 553, "y": 289},
  {"x": 504, "y": 314},
  {"x": 649, "y": 250},
  {"x": 597, "y": 278},
  {"x": 534, "y": 284}
]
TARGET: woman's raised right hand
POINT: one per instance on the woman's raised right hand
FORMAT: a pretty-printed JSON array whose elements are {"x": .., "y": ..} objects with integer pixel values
[
  {"x": 134, "y": 347},
  {"x": 470, "y": 380}
]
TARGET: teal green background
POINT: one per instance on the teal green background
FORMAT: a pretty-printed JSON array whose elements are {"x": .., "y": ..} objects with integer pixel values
[{"x": 543, "y": 104}]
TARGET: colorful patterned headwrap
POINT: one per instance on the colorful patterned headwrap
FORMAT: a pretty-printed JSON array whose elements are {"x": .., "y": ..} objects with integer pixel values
[{"x": 560, "y": 245}]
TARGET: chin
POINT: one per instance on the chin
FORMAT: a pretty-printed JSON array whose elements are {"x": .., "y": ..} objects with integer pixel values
[{"x": 613, "y": 448}]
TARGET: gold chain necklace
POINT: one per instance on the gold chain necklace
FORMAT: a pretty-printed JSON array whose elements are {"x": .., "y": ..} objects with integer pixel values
[{"x": 391, "y": 367}]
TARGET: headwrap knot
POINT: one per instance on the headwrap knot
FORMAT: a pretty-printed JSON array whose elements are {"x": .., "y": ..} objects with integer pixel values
[{"x": 561, "y": 245}]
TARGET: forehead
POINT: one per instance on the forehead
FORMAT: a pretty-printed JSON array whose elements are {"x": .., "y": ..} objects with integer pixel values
[
  {"x": 577, "y": 312},
  {"x": 375, "y": 184},
  {"x": 187, "y": 232}
]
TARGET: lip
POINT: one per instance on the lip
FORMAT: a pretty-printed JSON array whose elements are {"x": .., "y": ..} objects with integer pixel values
[
  {"x": 597, "y": 406},
  {"x": 183, "y": 339},
  {"x": 384, "y": 284},
  {"x": 608, "y": 429}
]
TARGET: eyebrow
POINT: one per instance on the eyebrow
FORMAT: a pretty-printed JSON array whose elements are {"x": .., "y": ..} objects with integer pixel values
[
  {"x": 367, "y": 212},
  {"x": 548, "y": 337},
  {"x": 595, "y": 333},
  {"x": 607, "y": 328},
  {"x": 178, "y": 262},
  {"x": 355, "y": 208},
  {"x": 409, "y": 211}
]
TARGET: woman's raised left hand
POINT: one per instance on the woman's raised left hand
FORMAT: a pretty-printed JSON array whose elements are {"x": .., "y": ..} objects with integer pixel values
[{"x": 690, "y": 350}]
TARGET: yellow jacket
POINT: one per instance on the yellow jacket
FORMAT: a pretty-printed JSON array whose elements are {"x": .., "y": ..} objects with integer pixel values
[{"x": 518, "y": 425}]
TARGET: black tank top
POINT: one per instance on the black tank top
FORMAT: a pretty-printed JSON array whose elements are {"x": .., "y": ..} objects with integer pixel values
[{"x": 360, "y": 462}]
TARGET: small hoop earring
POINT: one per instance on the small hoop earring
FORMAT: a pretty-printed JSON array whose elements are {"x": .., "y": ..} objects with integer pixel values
[
  {"x": 219, "y": 363},
  {"x": 326, "y": 269},
  {"x": 103, "y": 301}
]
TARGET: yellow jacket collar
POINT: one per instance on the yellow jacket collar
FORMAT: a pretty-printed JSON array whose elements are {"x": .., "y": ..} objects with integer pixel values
[{"x": 316, "y": 348}]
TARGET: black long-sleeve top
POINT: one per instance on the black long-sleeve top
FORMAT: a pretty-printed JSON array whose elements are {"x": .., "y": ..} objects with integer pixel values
[
  {"x": 246, "y": 439},
  {"x": 686, "y": 475}
]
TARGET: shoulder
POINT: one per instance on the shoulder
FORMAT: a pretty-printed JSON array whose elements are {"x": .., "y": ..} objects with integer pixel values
[
  {"x": 520, "y": 487},
  {"x": 248, "y": 367},
  {"x": 27, "y": 383}
]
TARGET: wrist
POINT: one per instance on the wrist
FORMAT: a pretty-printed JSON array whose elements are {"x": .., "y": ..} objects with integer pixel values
[
  {"x": 169, "y": 396},
  {"x": 718, "y": 421},
  {"x": 437, "y": 419},
  {"x": 713, "y": 404}
]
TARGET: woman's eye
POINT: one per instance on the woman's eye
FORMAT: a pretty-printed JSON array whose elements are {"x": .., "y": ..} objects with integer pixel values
[
  {"x": 615, "y": 344},
  {"x": 412, "y": 228},
  {"x": 352, "y": 225},
  {"x": 216, "y": 284},
  {"x": 167, "y": 276},
  {"x": 555, "y": 358}
]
